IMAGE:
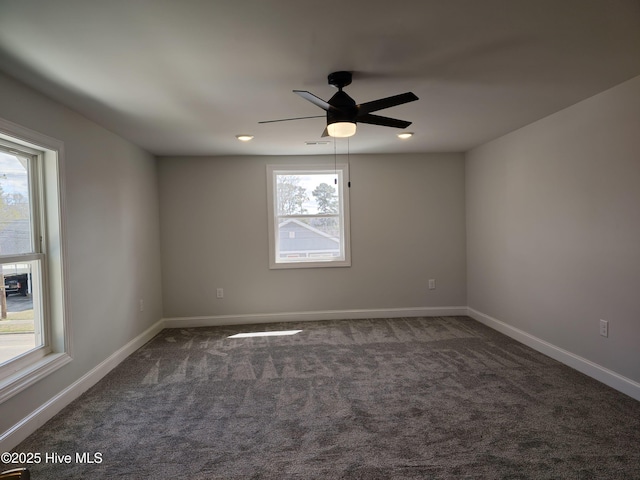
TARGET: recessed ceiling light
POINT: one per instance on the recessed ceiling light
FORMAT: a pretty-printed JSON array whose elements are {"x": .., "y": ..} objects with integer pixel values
[
  {"x": 244, "y": 137},
  {"x": 405, "y": 135}
]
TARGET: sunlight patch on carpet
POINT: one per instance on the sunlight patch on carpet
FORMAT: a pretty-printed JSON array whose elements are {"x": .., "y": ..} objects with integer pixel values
[{"x": 276, "y": 333}]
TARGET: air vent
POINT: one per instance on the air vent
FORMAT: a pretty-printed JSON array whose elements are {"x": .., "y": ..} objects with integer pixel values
[{"x": 316, "y": 142}]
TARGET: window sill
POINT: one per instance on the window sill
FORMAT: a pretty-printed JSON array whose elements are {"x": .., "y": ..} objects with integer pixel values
[
  {"x": 326, "y": 264},
  {"x": 26, "y": 377}
]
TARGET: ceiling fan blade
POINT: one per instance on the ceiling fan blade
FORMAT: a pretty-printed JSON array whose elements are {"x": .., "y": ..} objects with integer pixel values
[
  {"x": 383, "y": 103},
  {"x": 383, "y": 121},
  {"x": 326, "y": 132},
  {"x": 287, "y": 119},
  {"x": 313, "y": 99}
]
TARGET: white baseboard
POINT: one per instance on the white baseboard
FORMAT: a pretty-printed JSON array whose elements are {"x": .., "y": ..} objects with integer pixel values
[
  {"x": 45, "y": 412},
  {"x": 598, "y": 372},
  {"x": 252, "y": 318}
]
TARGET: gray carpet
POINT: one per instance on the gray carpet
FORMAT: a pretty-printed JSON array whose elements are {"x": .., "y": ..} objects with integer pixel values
[{"x": 442, "y": 398}]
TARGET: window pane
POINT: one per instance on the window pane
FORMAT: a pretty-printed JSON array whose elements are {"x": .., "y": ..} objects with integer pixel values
[
  {"x": 309, "y": 240},
  {"x": 307, "y": 193},
  {"x": 16, "y": 236},
  {"x": 20, "y": 310}
]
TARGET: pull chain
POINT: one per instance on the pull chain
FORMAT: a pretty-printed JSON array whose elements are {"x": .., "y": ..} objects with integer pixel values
[
  {"x": 335, "y": 163},
  {"x": 348, "y": 164}
]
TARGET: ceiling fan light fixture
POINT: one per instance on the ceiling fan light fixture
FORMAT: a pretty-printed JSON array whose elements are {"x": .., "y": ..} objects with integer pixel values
[
  {"x": 244, "y": 137},
  {"x": 405, "y": 135},
  {"x": 341, "y": 129}
]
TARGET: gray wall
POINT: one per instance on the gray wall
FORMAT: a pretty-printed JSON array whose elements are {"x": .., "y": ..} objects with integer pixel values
[
  {"x": 407, "y": 225},
  {"x": 553, "y": 225},
  {"x": 112, "y": 239}
]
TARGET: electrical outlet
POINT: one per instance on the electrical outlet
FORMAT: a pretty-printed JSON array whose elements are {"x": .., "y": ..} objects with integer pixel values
[
  {"x": 141, "y": 305},
  {"x": 604, "y": 328},
  {"x": 220, "y": 293},
  {"x": 432, "y": 284}
]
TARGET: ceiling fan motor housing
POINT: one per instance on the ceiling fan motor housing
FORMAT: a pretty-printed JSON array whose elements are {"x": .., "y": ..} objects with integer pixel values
[{"x": 345, "y": 109}]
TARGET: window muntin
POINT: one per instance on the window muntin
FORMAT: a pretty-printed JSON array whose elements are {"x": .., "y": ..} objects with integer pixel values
[{"x": 308, "y": 217}]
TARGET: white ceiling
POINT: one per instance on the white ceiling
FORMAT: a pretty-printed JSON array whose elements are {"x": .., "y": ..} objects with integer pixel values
[{"x": 184, "y": 77}]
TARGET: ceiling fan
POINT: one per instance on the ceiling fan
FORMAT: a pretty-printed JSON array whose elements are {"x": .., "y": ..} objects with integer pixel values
[{"x": 343, "y": 113}]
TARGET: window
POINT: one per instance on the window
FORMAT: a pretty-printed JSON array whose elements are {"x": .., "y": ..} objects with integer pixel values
[
  {"x": 308, "y": 210},
  {"x": 32, "y": 306}
]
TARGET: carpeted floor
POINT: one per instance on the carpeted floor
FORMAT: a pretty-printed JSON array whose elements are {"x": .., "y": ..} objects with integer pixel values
[{"x": 434, "y": 398}]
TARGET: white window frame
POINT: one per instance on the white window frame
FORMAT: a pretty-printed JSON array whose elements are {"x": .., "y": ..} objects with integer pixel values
[
  {"x": 341, "y": 172},
  {"x": 27, "y": 369}
]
